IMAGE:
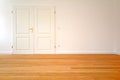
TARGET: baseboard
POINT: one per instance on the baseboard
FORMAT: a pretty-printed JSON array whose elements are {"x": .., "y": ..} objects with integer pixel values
[
  {"x": 117, "y": 52},
  {"x": 5, "y": 52},
  {"x": 70, "y": 52},
  {"x": 84, "y": 52}
]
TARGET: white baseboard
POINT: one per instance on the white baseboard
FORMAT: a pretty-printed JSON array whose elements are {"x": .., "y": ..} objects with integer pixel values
[
  {"x": 70, "y": 52},
  {"x": 117, "y": 52},
  {"x": 5, "y": 52},
  {"x": 84, "y": 52}
]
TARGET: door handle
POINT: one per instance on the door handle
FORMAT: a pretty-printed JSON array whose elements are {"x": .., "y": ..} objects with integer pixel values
[{"x": 31, "y": 29}]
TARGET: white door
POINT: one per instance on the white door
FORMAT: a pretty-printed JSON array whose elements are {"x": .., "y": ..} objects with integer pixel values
[
  {"x": 34, "y": 30},
  {"x": 23, "y": 37},
  {"x": 44, "y": 30}
]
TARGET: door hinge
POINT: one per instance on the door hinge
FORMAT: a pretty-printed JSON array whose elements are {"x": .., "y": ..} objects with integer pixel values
[
  {"x": 54, "y": 12},
  {"x": 12, "y": 12},
  {"x": 11, "y": 46},
  {"x": 54, "y": 46}
]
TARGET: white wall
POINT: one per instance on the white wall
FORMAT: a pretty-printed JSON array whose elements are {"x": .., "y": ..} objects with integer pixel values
[
  {"x": 5, "y": 26},
  {"x": 117, "y": 26},
  {"x": 83, "y": 26},
  {"x": 86, "y": 26}
]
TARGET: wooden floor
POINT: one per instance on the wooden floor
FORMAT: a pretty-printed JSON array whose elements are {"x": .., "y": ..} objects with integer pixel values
[{"x": 59, "y": 67}]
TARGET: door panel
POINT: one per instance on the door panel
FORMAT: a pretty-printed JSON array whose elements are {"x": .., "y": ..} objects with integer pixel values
[
  {"x": 44, "y": 24},
  {"x": 23, "y": 43},
  {"x": 22, "y": 20}
]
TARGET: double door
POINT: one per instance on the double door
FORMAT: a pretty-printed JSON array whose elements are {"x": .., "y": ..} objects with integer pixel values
[{"x": 34, "y": 30}]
